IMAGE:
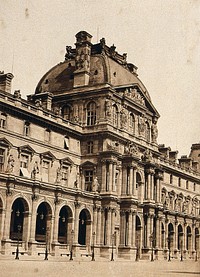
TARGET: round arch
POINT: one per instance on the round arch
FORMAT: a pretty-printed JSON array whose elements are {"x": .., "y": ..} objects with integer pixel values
[
  {"x": 19, "y": 217},
  {"x": 65, "y": 224},
  {"x": 188, "y": 238},
  {"x": 84, "y": 227},
  {"x": 180, "y": 237},
  {"x": 43, "y": 222}
]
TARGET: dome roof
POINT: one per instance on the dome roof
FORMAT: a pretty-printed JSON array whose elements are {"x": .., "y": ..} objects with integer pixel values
[{"x": 106, "y": 66}]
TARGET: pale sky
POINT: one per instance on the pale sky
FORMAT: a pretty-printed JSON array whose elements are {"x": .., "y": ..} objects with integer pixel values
[{"x": 161, "y": 37}]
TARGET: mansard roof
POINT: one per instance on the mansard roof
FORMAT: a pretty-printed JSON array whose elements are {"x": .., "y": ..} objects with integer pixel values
[{"x": 107, "y": 66}]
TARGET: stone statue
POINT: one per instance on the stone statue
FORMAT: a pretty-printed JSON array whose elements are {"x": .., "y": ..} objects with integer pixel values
[
  {"x": 141, "y": 125},
  {"x": 11, "y": 164},
  {"x": 154, "y": 131},
  {"x": 58, "y": 175},
  {"x": 38, "y": 103},
  {"x": 123, "y": 118},
  {"x": 69, "y": 54},
  {"x": 76, "y": 183},
  {"x": 108, "y": 107},
  {"x": 147, "y": 157},
  {"x": 35, "y": 170},
  {"x": 17, "y": 94},
  {"x": 95, "y": 184}
]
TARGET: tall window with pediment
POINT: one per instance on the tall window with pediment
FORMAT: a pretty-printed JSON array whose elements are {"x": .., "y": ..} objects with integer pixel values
[
  {"x": 26, "y": 128},
  {"x": 115, "y": 116},
  {"x": 91, "y": 113}
]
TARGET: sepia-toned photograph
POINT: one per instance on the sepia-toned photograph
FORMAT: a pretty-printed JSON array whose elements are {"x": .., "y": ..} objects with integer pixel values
[{"x": 99, "y": 138}]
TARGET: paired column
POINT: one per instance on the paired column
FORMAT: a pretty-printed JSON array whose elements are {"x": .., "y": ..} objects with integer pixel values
[
  {"x": 76, "y": 223},
  {"x": 98, "y": 234}
]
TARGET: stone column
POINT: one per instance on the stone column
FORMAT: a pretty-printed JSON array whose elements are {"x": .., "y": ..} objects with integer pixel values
[
  {"x": 3, "y": 212},
  {"x": 33, "y": 220},
  {"x": 56, "y": 223},
  {"x": 148, "y": 186},
  {"x": 109, "y": 227},
  {"x": 110, "y": 177},
  {"x": 98, "y": 235},
  {"x": 26, "y": 228},
  {"x": 130, "y": 225},
  {"x": 133, "y": 228},
  {"x": 130, "y": 188},
  {"x": 148, "y": 231},
  {"x": 158, "y": 232},
  {"x": 124, "y": 179},
  {"x": 95, "y": 223},
  {"x": 119, "y": 185},
  {"x": 113, "y": 177},
  {"x": 176, "y": 236},
  {"x": 76, "y": 222},
  {"x": 122, "y": 228},
  {"x": 134, "y": 182},
  {"x": 103, "y": 188},
  {"x": 193, "y": 238},
  {"x": 102, "y": 226},
  {"x": 82, "y": 181},
  {"x": 185, "y": 237},
  {"x": 112, "y": 222}
]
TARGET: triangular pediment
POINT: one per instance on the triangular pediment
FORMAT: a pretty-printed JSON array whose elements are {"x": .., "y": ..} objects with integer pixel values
[
  {"x": 88, "y": 164},
  {"x": 26, "y": 148},
  {"x": 66, "y": 161},
  {"x": 136, "y": 94},
  {"x": 48, "y": 155},
  {"x": 5, "y": 143}
]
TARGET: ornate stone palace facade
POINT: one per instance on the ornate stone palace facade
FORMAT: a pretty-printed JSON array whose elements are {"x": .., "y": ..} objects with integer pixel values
[{"x": 80, "y": 165}]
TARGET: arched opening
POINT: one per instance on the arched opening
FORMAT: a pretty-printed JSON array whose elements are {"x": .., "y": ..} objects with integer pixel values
[
  {"x": 138, "y": 185},
  {"x": 162, "y": 235},
  {"x": 180, "y": 237},
  {"x": 17, "y": 219},
  {"x": 84, "y": 228},
  {"x": 43, "y": 223},
  {"x": 170, "y": 238},
  {"x": 115, "y": 116},
  {"x": 66, "y": 112},
  {"x": 188, "y": 238},
  {"x": 196, "y": 239},
  {"x": 138, "y": 229},
  {"x": 64, "y": 225}
]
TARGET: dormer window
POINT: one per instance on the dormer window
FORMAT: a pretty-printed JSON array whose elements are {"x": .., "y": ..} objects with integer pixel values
[
  {"x": 66, "y": 112},
  {"x": 26, "y": 128},
  {"x": 187, "y": 184},
  {"x": 91, "y": 113}
]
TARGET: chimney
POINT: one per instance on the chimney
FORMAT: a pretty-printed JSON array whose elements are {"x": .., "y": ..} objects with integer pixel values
[
  {"x": 82, "y": 59},
  {"x": 5, "y": 81}
]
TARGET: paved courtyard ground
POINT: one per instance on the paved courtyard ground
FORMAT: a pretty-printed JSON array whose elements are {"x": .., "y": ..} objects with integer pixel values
[{"x": 27, "y": 267}]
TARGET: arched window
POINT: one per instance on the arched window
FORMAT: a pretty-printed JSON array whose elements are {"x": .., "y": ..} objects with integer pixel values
[
  {"x": 66, "y": 112},
  {"x": 91, "y": 113},
  {"x": 43, "y": 223},
  {"x": 84, "y": 227},
  {"x": 115, "y": 116},
  {"x": 180, "y": 237},
  {"x": 17, "y": 220}
]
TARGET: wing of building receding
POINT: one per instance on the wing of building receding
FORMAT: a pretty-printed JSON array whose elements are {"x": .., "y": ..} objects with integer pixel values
[{"x": 81, "y": 170}]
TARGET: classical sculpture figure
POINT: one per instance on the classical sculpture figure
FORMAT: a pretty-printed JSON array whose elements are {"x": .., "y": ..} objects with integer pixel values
[
  {"x": 108, "y": 107},
  {"x": 154, "y": 131},
  {"x": 35, "y": 170},
  {"x": 95, "y": 185},
  {"x": 141, "y": 125},
  {"x": 123, "y": 118},
  {"x": 58, "y": 175},
  {"x": 76, "y": 183},
  {"x": 11, "y": 164}
]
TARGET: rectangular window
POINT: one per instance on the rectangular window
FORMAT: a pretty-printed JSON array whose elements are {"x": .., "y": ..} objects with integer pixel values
[
  {"x": 90, "y": 147},
  {"x": 88, "y": 180},
  {"x": 194, "y": 186},
  {"x": 26, "y": 128},
  {"x": 47, "y": 135},
  {"x": 3, "y": 121},
  {"x": 24, "y": 161},
  {"x": 187, "y": 184},
  {"x": 66, "y": 143},
  {"x": 179, "y": 182},
  {"x": 45, "y": 170},
  {"x": 64, "y": 174},
  {"x": 171, "y": 179},
  {"x": 2, "y": 159}
]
